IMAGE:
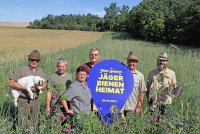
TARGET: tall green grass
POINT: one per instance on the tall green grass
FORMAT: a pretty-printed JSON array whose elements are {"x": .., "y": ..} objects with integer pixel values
[{"x": 184, "y": 61}]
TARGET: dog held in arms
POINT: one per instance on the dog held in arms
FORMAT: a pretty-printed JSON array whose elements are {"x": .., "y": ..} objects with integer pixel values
[{"x": 28, "y": 82}]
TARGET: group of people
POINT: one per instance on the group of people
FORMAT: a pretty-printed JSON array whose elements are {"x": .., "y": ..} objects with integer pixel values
[{"x": 74, "y": 97}]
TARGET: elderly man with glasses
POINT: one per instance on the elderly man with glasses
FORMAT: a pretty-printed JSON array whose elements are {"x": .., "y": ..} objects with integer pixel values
[
  {"x": 94, "y": 57},
  {"x": 28, "y": 109}
]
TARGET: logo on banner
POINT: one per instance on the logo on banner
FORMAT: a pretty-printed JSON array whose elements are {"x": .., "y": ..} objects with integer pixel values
[{"x": 110, "y": 83}]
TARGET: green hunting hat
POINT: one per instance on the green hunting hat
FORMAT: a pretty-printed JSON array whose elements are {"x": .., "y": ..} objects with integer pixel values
[
  {"x": 163, "y": 56},
  {"x": 35, "y": 54},
  {"x": 132, "y": 56}
]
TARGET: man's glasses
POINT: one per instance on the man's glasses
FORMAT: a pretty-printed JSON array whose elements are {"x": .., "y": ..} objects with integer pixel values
[
  {"x": 130, "y": 60},
  {"x": 32, "y": 60},
  {"x": 94, "y": 54},
  {"x": 162, "y": 60}
]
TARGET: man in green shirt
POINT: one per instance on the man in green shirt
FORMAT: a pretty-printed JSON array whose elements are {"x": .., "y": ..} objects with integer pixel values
[
  {"x": 58, "y": 83},
  {"x": 28, "y": 109}
]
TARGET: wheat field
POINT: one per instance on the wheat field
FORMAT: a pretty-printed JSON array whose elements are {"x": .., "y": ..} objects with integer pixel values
[
  {"x": 14, "y": 24},
  {"x": 20, "y": 41}
]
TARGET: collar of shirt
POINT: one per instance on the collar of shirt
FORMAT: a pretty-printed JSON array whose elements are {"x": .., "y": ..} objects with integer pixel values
[
  {"x": 163, "y": 71},
  {"x": 89, "y": 64},
  {"x": 32, "y": 68},
  {"x": 84, "y": 86},
  {"x": 135, "y": 72}
]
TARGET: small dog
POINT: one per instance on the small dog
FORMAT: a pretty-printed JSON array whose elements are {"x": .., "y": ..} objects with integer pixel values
[{"x": 28, "y": 82}]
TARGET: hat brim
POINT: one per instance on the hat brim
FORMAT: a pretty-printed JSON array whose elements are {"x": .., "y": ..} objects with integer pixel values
[
  {"x": 34, "y": 58},
  {"x": 133, "y": 59},
  {"x": 162, "y": 59}
]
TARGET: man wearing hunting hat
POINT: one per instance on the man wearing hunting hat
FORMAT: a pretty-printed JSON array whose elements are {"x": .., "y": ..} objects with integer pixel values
[
  {"x": 134, "y": 102},
  {"x": 28, "y": 109},
  {"x": 163, "y": 81}
]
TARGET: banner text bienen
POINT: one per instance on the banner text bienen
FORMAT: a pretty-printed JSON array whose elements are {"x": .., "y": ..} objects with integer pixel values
[{"x": 110, "y": 81}]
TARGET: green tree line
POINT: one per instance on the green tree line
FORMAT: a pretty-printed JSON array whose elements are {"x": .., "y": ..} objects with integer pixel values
[
  {"x": 87, "y": 22},
  {"x": 169, "y": 21}
]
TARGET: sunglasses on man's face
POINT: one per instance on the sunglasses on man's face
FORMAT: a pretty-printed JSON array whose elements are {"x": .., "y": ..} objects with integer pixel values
[
  {"x": 130, "y": 60},
  {"x": 32, "y": 60},
  {"x": 163, "y": 60}
]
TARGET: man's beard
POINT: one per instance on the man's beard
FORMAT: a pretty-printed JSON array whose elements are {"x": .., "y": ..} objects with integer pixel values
[{"x": 161, "y": 66}]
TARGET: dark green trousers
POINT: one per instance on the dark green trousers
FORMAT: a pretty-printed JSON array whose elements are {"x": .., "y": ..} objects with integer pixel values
[{"x": 28, "y": 112}]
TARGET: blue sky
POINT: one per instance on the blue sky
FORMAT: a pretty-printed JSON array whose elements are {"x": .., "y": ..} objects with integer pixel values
[{"x": 30, "y": 10}]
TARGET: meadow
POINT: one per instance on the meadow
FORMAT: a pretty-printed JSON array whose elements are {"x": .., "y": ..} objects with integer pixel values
[{"x": 184, "y": 61}]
